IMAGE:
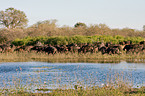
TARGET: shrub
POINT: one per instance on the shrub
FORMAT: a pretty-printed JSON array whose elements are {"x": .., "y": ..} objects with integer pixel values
[{"x": 53, "y": 40}]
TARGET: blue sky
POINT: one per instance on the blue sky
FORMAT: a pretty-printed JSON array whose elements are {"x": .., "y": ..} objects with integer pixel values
[{"x": 114, "y": 13}]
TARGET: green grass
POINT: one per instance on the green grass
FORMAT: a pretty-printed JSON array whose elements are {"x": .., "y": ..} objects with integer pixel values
[{"x": 92, "y": 91}]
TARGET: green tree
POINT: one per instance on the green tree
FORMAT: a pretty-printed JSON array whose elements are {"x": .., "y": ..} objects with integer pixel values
[
  {"x": 12, "y": 18},
  {"x": 79, "y": 24}
]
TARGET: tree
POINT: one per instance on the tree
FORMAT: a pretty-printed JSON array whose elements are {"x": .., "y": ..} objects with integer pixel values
[
  {"x": 12, "y": 18},
  {"x": 79, "y": 24},
  {"x": 143, "y": 27},
  {"x": 46, "y": 23}
]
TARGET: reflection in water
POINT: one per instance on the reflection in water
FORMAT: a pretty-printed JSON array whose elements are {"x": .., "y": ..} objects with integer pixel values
[{"x": 54, "y": 75}]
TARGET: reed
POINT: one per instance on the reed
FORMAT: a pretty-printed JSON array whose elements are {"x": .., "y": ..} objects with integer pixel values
[
  {"x": 70, "y": 57},
  {"x": 117, "y": 87}
]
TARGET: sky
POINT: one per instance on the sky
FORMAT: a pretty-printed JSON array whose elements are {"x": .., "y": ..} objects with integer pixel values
[{"x": 114, "y": 13}]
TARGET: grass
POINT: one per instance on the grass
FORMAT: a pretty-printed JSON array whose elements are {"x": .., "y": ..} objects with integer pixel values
[
  {"x": 71, "y": 57},
  {"x": 122, "y": 90}
]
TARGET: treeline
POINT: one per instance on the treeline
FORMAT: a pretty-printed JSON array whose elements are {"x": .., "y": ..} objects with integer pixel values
[
  {"x": 64, "y": 40},
  {"x": 48, "y": 31}
]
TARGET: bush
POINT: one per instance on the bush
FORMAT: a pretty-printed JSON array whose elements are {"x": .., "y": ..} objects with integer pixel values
[{"x": 64, "y": 40}]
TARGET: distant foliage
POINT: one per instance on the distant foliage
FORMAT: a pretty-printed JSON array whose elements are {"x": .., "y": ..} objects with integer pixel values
[
  {"x": 50, "y": 33},
  {"x": 12, "y": 18},
  {"x": 143, "y": 27},
  {"x": 61, "y": 40},
  {"x": 79, "y": 24}
]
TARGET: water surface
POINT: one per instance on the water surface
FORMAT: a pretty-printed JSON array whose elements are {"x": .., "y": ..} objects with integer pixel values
[{"x": 54, "y": 75}]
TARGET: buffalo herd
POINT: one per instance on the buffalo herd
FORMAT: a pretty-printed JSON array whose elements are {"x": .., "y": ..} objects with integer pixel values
[{"x": 104, "y": 48}]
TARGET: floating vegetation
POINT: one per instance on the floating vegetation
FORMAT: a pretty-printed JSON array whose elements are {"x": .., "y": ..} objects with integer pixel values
[{"x": 44, "y": 67}]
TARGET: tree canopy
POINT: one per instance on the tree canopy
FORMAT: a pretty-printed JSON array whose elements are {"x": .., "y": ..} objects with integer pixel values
[
  {"x": 12, "y": 18},
  {"x": 79, "y": 24},
  {"x": 143, "y": 27},
  {"x": 46, "y": 23}
]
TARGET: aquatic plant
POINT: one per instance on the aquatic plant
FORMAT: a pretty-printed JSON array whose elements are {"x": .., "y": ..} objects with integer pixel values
[{"x": 35, "y": 86}]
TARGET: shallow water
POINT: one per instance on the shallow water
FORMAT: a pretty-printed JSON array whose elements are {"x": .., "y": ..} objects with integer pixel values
[{"x": 55, "y": 75}]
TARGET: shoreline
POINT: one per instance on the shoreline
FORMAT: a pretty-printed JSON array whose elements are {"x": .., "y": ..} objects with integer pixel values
[{"x": 71, "y": 57}]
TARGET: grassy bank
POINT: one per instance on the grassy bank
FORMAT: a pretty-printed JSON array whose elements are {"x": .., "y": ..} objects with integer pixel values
[
  {"x": 106, "y": 90},
  {"x": 70, "y": 57},
  {"x": 86, "y": 92}
]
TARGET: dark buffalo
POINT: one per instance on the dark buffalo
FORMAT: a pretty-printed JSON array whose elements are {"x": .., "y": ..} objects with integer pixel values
[
  {"x": 73, "y": 48},
  {"x": 86, "y": 48},
  {"x": 61, "y": 48},
  {"x": 112, "y": 51},
  {"x": 50, "y": 49},
  {"x": 103, "y": 49},
  {"x": 133, "y": 48},
  {"x": 142, "y": 43}
]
